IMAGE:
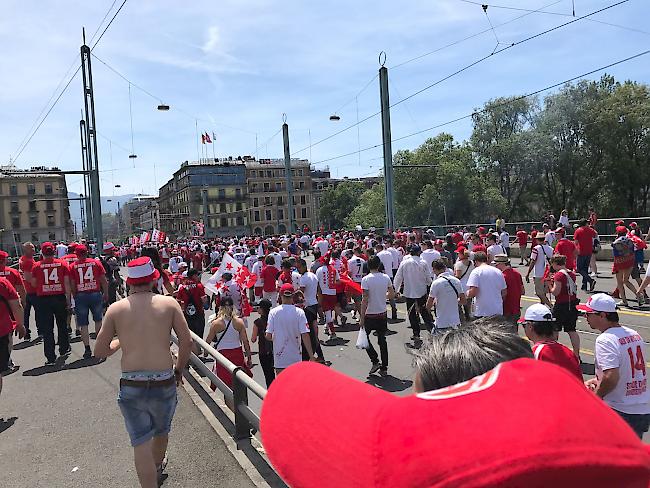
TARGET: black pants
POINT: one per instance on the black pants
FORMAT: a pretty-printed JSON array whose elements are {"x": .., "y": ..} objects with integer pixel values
[
  {"x": 49, "y": 309},
  {"x": 266, "y": 361},
  {"x": 380, "y": 324},
  {"x": 413, "y": 314},
  {"x": 311, "y": 313},
  {"x": 30, "y": 302}
]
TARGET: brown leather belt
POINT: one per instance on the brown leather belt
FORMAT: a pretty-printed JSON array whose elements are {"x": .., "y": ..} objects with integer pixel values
[
  {"x": 148, "y": 383},
  {"x": 376, "y": 315}
]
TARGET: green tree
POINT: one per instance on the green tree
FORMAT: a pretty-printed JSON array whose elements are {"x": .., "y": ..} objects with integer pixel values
[
  {"x": 370, "y": 211},
  {"x": 337, "y": 202}
]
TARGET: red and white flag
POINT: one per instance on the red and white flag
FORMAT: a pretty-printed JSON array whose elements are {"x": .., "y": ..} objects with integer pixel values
[
  {"x": 240, "y": 274},
  {"x": 207, "y": 138},
  {"x": 162, "y": 237},
  {"x": 154, "y": 235},
  {"x": 145, "y": 237},
  {"x": 202, "y": 138}
]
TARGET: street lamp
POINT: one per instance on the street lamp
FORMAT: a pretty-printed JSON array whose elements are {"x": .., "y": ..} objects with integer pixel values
[
  {"x": 334, "y": 118},
  {"x": 163, "y": 107}
]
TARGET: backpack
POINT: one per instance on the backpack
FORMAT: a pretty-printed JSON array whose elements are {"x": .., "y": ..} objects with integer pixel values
[{"x": 572, "y": 286}]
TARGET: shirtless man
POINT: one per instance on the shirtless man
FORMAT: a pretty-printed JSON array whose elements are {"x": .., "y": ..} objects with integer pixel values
[{"x": 143, "y": 322}]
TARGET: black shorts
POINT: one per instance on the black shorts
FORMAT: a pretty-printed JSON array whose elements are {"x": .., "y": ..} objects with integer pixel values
[
  {"x": 566, "y": 316},
  {"x": 4, "y": 352},
  {"x": 635, "y": 274},
  {"x": 196, "y": 323},
  {"x": 341, "y": 299},
  {"x": 311, "y": 313}
]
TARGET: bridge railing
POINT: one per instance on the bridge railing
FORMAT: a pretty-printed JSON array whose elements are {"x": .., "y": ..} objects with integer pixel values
[{"x": 247, "y": 421}]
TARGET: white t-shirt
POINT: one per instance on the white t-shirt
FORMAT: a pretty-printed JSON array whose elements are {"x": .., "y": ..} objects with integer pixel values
[
  {"x": 257, "y": 270},
  {"x": 505, "y": 239},
  {"x": 446, "y": 300},
  {"x": 174, "y": 261},
  {"x": 377, "y": 285},
  {"x": 495, "y": 249},
  {"x": 355, "y": 268},
  {"x": 250, "y": 262},
  {"x": 564, "y": 220},
  {"x": 286, "y": 323},
  {"x": 397, "y": 256},
  {"x": 304, "y": 239},
  {"x": 429, "y": 256},
  {"x": 465, "y": 270},
  {"x": 321, "y": 274},
  {"x": 322, "y": 246},
  {"x": 277, "y": 259},
  {"x": 61, "y": 250},
  {"x": 309, "y": 282},
  {"x": 550, "y": 238},
  {"x": 240, "y": 257},
  {"x": 623, "y": 348},
  {"x": 539, "y": 254},
  {"x": 386, "y": 258},
  {"x": 490, "y": 282}
]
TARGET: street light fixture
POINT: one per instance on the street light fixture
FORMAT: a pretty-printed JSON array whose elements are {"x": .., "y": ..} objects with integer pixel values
[
  {"x": 334, "y": 118},
  {"x": 163, "y": 107}
]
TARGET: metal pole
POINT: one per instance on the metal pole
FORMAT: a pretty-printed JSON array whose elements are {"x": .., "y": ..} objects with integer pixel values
[
  {"x": 91, "y": 139},
  {"x": 206, "y": 221},
  {"x": 388, "y": 149},
  {"x": 287, "y": 169},
  {"x": 87, "y": 215}
]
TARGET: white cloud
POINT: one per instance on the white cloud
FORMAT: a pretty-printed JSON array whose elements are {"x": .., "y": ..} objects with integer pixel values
[{"x": 213, "y": 40}]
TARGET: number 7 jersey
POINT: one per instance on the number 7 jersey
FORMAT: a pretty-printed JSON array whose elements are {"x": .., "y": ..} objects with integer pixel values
[
  {"x": 49, "y": 274},
  {"x": 86, "y": 274}
]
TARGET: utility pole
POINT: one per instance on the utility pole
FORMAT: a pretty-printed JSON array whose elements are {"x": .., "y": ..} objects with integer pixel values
[
  {"x": 87, "y": 215},
  {"x": 388, "y": 148},
  {"x": 91, "y": 144},
  {"x": 287, "y": 169},
  {"x": 206, "y": 222}
]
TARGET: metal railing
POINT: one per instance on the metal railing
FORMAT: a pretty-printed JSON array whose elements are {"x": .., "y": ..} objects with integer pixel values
[{"x": 247, "y": 422}]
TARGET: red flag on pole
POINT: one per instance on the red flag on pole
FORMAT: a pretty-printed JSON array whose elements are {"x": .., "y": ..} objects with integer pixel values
[
  {"x": 202, "y": 138},
  {"x": 207, "y": 138}
]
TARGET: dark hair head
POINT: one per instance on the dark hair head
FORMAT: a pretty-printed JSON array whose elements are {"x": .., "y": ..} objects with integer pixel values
[
  {"x": 336, "y": 253},
  {"x": 480, "y": 257},
  {"x": 461, "y": 354},
  {"x": 301, "y": 263},
  {"x": 316, "y": 253},
  {"x": 544, "y": 329},
  {"x": 226, "y": 276},
  {"x": 558, "y": 259},
  {"x": 583, "y": 222},
  {"x": 438, "y": 265},
  {"x": 269, "y": 260},
  {"x": 286, "y": 264},
  {"x": 374, "y": 263},
  {"x": 265, "y": 304},
  {"x": 154, "y": 255},
  {"x": 612, "y": 316},
  {"x": 226, "y": 302},
  {"x": 192, "y": 272}
]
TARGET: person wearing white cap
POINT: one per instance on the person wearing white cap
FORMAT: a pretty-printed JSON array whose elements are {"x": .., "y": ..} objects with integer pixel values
[
  {"x": 621, "y": 379},
  {"x": 539, "y": 327}
]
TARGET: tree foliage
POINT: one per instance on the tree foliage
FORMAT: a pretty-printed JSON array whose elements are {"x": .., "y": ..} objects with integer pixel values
[{"x": 336, "y": 203}]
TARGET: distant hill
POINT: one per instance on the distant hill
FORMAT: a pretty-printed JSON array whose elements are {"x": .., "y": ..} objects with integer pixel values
[{"x": 107, "y": 207}]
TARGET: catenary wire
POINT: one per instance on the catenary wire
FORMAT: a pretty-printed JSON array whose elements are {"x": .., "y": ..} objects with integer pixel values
[{"x": 510, "y": 101}]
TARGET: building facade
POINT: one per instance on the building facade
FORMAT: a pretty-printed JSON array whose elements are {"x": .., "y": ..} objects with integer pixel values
[
  {"x": 34, "y": 206},
  {"x": 212, "y": 188},
  {"x": 131, "y": 214},
  {"x": 267, "y": 195}
]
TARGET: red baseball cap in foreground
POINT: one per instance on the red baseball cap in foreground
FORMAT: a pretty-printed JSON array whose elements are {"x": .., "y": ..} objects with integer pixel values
[{"x": 524, "y": 424}]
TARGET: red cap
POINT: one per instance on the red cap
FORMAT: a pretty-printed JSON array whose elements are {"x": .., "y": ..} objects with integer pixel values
[
  {"x": 634, "y": 225},
  {"x": 620, "y": 222},
  {"x": 79, "y": 249},
  {"x": 47, "y": 248},
  {"x": 4, "y": 255},
  {"x": 287, "y": 290},
  {"x": 460, "y": 249},
  {"x": 527, "y": 437},
  {"x": 141, "y": 271}
]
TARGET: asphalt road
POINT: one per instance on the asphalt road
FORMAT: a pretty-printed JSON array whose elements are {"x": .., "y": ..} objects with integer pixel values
[
  {"x": 61, "y": 427},
  {"x": 355, "y": 363}
]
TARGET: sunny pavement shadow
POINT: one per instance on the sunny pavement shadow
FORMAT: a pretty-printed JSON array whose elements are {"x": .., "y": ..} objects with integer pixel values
[
  {"x": 338, "y": 341},
  {"x": 7, "y": 423},
  {"x": 389, "y": 383}
]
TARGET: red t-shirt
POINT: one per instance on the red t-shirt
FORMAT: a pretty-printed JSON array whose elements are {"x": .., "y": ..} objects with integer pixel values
[
  {"x": 193, "y": 289},
  {"x": 49, "y": 274},
  {"x": 197, "y": 260},
  {"x": 70, "y": 258},
  {"x": 26, "y": 264},
  {"x": 584, "y": 237},
  {"x": 522, "y": 238},
  {"x": 567, "y": 248},
  {"x": 9, "y": 293},
  {"x": 556, "y": 353},
  {"x": 269, "y": 275},
  {"x": 85, "y": 274},
  {"x": 512, "y": 300},
  {"x": 564, "y": 296},
  {"x": 13, "y": 275}
]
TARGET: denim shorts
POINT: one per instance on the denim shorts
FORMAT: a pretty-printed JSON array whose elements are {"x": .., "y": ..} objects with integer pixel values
[
  {"x": 147, "y": 412},
  {"x": 88, "y": 302}
]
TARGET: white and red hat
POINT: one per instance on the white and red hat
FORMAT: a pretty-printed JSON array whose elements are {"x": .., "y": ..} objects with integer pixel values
[
  {"x": 108, "y": 246},
  {"x": 513, "y": 426},
  {"x": 600, "y": 302},
  {"x": 141, "y": 271}
]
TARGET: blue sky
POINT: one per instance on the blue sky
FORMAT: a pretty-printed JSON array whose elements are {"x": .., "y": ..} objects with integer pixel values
[{"x": 238, "y": 65}]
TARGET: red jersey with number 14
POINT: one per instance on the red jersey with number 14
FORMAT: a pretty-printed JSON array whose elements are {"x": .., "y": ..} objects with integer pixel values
[
  {"x": 49, "y": 275},
  {"x": 85, "y": 274}
]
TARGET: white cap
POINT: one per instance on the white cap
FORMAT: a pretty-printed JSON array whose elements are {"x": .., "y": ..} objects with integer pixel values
[
  {"x": 600, "y": 302},
  {"x": 538, "y": 313}
]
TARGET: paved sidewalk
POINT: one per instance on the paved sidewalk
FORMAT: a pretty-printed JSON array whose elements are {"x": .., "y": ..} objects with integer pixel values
[{"x": 61, "y": 427}]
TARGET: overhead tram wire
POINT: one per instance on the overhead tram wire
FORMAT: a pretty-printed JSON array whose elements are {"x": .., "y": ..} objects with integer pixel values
[
  {"x": 561, "y": 14},
  {"x": 25, "y": 142},
  {"x": 505, "y": 103},
  {"x": 478, "y": 61}
]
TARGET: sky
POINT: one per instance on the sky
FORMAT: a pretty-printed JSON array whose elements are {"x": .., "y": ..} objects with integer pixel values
[{"x": 233, "y": 68}]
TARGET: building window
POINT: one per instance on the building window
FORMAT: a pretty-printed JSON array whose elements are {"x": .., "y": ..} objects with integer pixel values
[
  {"x": 49, "y": 205},
  {"x": 268, "y": 215},
  {"x": 256, "y": 202},
  {"x": 304, "y": 213},
  {"x": 252, "y": 173},
  {"x": 238, "y": 192},
  {"x": 222, "y": 208},
  {"x": 267, "y": 186},
  {"x": 254, "y": 187},
  {"x": 15, "y": 222},
  {"x": 301, "y": 185},
  {"x": 13, "y": 190},
  {"x": 238, "y": 206},
  {"x": 50, "y": 221},
  {"x": 257, "y": 216},
  {"x": 224, "y": 222},
  {"x": 34, "y": 237},
  {"x": 267, "y": 200},
  {"x": 48, "y": 188},
  {"x": 280, "y": 213},
  {"x": 14, "y": 207},
  {"x": 280, "y": 201},
  {"x": 269, "y": 174},
  {"x": 278, "y": 186},
  {"x": 31, "y": 189},
  {"x": 33, "y": 221},
  {"x": 240, "y": 220},
  {"x": 222, "y": 193},
  {"x": 52, "y": 236},
  {"x": 32, "y": 206},
  {"x": 303, "y": 200}
]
